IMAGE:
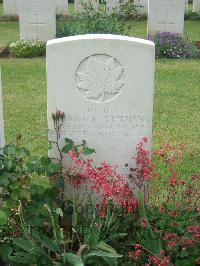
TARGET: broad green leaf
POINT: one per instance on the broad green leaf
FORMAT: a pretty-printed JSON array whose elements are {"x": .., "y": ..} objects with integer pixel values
[
  {"x": 105, "y": 247},
  {"x": 3, "y": 217},
  {"x": 9, "y": 149},
  {"x": 117, "y": 235},
  {"x": 23, "y": 244},
  {"x": 4, "y": 180},
  {"x": 67, "y": 141},
  {"x": 23, "y": 257},
  {"x": 8, "y": 164},
  {"x": 99, "y": 254},
  {"x": 50, "y": 244},
  {"x": 72, "y": 260},
  {"x": 67, "y": 147},
  {"x": 59, "y": 212},
  {"x": 50, "y": 145},
  {"x": 5, "y": 250},
  {"x": 22, "y": 152},
  {"x": 45, "y": 160},
  {"x": 87, "y": 151}
]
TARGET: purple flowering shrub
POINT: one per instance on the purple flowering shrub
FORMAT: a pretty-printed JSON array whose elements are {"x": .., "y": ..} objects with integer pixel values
[{"x": 173, "y": 45}]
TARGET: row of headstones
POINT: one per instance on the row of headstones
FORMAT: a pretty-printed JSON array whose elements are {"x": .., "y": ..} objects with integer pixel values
[
  {"x": 106, "y": 96},
  {"x": 143, "y": 5},
  {"x": 11, "y": 7},
  {"x": 38, "y": 18}
]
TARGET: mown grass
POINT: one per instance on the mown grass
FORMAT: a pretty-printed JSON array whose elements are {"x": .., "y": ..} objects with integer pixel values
[
  {"x": 24, "y": 90},
  {"x": 9, "y": 31},
  {"x": 139, "y": 29},
  {"x": 176, "y": 105}
]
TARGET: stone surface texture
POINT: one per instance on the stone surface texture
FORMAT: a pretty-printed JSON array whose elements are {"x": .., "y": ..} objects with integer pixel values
[
  {"x": 37, "y": 19},
  {"x": 166, "y": 16},
  {"x": 143, "y": 5},
  {"x": 10, "y": 7},
  {"x": 196, "y": 5},
  {"x": 112, "y": 5},
  {"x": 104, "y": 84},
  {"x": 62, "y": 7},
  {"x": 79, "y": 4}
]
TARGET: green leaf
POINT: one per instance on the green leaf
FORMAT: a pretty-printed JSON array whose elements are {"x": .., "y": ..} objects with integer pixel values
[
  {"x": 117, "y": 235},
  {"x": 22, "y": 152},
  {"x": 69, "y": 145},
  {"x": 8, "y": 164},
  {"x": 72, "y": 260},
  {"x": 59, "y": 212},
  {"x": 4, "y": 180},
  {"x": 99, "y": 254},
  {"x": 5, "y": 250},
  {"x": 23, "y": 244},
  {"x": 23, "y": 257},
  {"x": 87, "y": 151},
  {"x": 50, "y": 244},
  {"x": 67, "y": 148},
  {"x": 50, "y": 145},
  {"x": 67, "y": 141},
  {"x": 9, "y": 149},
  {"x": 105, "y": 247},
  {"x": 3, "y": 217}
]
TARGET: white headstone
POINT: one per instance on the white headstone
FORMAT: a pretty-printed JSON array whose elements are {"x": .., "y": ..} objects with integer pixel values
[
  {"x": 112, "y": 5},
  {"x": 104, "y": 84},
  {"x": 186, "y": 5},
  {"x": 142, "y": 5},
  {"x": 2, "y": 140},
  {"x": 10, "y": 7},
  {"x": 79, "y": 4},
  {"x": 37, "y": 19},
  {"x": 62, "y": 7},
  {"x": 196, "y": 5},
  {"x": 166, "y": 16}
]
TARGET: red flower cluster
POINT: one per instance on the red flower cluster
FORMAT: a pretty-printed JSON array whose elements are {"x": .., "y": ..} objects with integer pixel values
[
  {"x": 159, "y": 260},
  {"x": 141, "y": 174},
  {"x": 104, "y": 181}
]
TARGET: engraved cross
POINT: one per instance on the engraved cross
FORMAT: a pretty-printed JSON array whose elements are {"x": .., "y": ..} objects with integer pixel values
[
  {"x": 37, "y": 23},
  {"x": 165, "y": 22}
]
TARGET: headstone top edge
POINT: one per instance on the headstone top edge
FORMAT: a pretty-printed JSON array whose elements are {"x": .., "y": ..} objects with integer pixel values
[{"x": 100, "y": 37}]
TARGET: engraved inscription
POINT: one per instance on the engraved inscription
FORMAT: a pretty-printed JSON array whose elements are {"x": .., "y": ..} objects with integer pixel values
[
  {"x": 105, "y": 124},
  {"x": 100, "y": 78}
]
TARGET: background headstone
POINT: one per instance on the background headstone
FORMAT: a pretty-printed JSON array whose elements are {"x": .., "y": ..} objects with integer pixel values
[
  {"x": 104, "y": 84},
  {"x": 10, "y": 7},
  {"x": 79, "y": 7},
  {"x": 186, "y": 6},
  {"x": 2, "y": 140},
  {"x": 37, "y": 19},
  {"x": 166, "y": 16},
  {"x": 62, "y": 7},
  {"x": 142, "y": 5},
  {"x": 196, "y": 5},
  {"x": 112, "y": 5}
]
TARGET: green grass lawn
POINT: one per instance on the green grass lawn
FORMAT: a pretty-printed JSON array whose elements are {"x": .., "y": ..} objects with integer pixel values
[
  {"x": 139, "y": 29},
  {"x": 9, "y": 31},
  {"x": 176, "y": 105}
]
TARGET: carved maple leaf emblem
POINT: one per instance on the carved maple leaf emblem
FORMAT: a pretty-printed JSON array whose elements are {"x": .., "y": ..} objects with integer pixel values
[{"x": 101, "y": 78}]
